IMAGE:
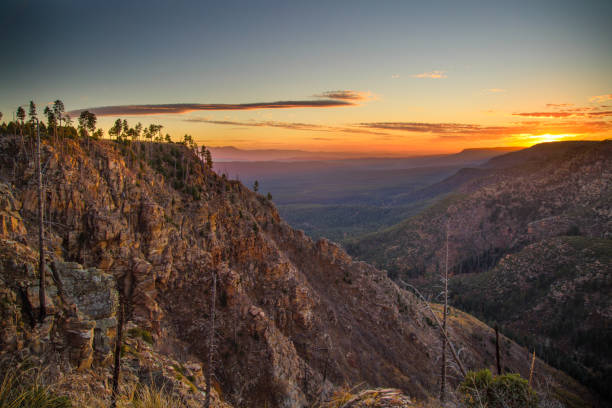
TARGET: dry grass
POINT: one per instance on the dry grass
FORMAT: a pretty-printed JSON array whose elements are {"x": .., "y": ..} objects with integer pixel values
[
  {"x": 133, "y": 396},
  {"x": 23, "y": 387}
]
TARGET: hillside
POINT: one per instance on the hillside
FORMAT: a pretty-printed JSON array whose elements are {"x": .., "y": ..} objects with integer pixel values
[
  {"x": 514, "y": 206},
  {"x": 295, "y": 318},
  {"x": 554, "y": 296},
  {"x": 500, "y": 211}
]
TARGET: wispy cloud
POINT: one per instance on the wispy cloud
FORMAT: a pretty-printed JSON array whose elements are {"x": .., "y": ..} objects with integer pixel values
[
  {"x": 601, "y": 98},
  {"x": 469, "y": 131},
  {"x": 577, "y": 112},
  {"x": 395, "y": 76},
  {"x": 179, "y": 108},
  {"x": 495, "y": 90},
  {"x": 289, "y": 125},
  {"x": 345, "y": 95},
  {"x": 559, "y": 105},
  {"x": 431, "y": 75}
]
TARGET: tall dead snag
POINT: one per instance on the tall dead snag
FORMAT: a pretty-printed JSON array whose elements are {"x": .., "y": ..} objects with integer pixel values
[
  {"x": 41, "y": 233},
  {"x": 433, "y": 314},
  {"x": 532, "y": 367},
  {"x": 211, "y": 340},
  {"x": 445, "y": 314},
  {"x": 497, "y": 354},
  {"x": 118, "y": 344}
]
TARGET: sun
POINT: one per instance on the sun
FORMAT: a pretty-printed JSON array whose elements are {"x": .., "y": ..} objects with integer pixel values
[{"x": 530, "y": 140}]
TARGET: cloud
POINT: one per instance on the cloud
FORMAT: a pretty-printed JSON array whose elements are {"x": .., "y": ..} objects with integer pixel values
[
  {"x": 559, "y": 105},
  {"x": 395, "y": 76},
  {"x": 546, "y": 114},
  {"x": 601, "y": 98},
  {"x": 179, "y": 108},
  {"x": 289, "y": 125},
  {"x": 576, "y": 112},
  {"x": 437, "y": 128},
  {"x": 495, "y": 90},
  {"x": 345, "y": 95},
  {"x": 431, "y": 75},
  {"x": 469, "y": 131}
]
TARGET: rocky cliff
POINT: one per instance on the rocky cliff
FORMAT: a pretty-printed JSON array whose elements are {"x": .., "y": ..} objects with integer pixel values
[{"x": 146, "y": 226}]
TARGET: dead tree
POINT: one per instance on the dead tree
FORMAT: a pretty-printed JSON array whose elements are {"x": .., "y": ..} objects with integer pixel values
[
  {"x": 497, "y": 354},
  {"x": 124, "y": 291},
  {"x": 532, "y": 367},
  {"x": 444, "y": 333},
  {"x": 118, "y": 344},
  {"x": 41, "y": 233},
  {"x": 445, "y": 314},
  {"x": 211, "y": 340}
]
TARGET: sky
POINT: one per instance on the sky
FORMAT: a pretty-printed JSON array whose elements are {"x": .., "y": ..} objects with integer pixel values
[{"x": 374, "y": 77}]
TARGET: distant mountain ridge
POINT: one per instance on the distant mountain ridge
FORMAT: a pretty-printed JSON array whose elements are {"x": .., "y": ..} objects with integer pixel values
[{"x": 231, "y": 153}]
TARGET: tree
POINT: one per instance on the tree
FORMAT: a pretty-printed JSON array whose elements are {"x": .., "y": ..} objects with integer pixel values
[
  {"x": 269, "y": 196},
  {"x": 1, "y": 115},
  {"x": 87, "y": 123},
  {"x": 21, "y": 117},
  {"x": 41, "y": 233},
  {"x": 58, "y": 110},
  {"x": 444, "y": 318},
  {"x": 211, "y": 340},
  {"x": 256, "y": 186},
  {"x": 209, "y": 162},
  {"x": 116, "y": 129},
  {"x": 51, "y": 119},
  {"x": 32, "y": 111}
]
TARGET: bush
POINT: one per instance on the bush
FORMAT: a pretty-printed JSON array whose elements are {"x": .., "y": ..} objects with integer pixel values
[{"x": 481, "y": 389}]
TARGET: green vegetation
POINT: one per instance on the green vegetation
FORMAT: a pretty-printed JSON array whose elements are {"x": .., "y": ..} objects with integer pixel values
[
  {"x": 343, "y": 222},
  {"x": 481, "y": 390},
  {"x": 141, "y": 333}
]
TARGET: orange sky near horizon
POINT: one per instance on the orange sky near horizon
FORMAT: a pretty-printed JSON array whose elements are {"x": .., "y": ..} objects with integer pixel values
[{"x": 371, "y": 126}]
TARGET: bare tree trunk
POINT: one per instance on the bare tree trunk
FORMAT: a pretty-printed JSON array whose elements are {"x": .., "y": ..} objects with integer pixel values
[
  {"x": 118, "y": 343},
  {"x": 433, "y": 314},
  {"x": 532, "y": 367},
  {"x": 445, "y": 313},
  {"x": 41, "y": 234},
  {"x": 211, "y": 340},
  {"x": 497, "y": 355}
]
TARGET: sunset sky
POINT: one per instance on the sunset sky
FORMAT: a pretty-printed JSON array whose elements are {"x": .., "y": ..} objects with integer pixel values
[{"x": 378, "y": 77}]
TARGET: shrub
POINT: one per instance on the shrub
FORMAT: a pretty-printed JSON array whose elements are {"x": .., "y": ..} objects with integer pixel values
[
  {"x": 142, "y": 333},
  {"x": 481, "y": 389}
]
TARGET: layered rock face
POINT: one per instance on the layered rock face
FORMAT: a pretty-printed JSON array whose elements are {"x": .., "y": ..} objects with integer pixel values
[{"x": 294, "y": 318}]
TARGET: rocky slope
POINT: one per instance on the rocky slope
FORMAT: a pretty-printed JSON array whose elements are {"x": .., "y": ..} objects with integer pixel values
[{"x": 147, "y": 226}]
